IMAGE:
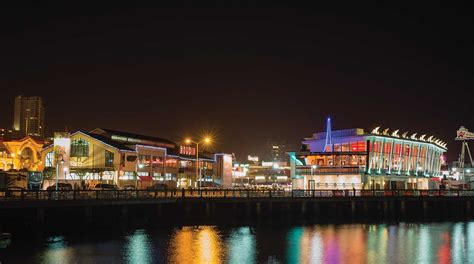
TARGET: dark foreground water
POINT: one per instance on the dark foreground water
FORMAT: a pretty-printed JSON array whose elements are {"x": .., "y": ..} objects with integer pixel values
[{"x": 352, "y": 243}]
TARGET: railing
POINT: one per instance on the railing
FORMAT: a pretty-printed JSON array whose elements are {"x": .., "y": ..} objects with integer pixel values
[
  {"x": 306, "y": 170},
  {"x": 29, "y": 195}
]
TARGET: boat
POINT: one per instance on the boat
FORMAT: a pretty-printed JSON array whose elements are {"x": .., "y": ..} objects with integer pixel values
[{"x": 5, "y": 240}]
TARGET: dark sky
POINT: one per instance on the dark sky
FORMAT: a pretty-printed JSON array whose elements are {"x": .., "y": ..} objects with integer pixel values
[{"x": 246, "y": 72}]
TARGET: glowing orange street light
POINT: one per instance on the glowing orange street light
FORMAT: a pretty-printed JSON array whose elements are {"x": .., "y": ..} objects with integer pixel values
[{"x": 206, "y": 140}]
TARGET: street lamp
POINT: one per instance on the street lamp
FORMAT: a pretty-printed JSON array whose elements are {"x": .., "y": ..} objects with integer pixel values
[
  {"x": 65, "y": 174},
  {"x": 206, "y": 140},
  {"x": 57, "y": 171},
  {"x": 313, "y": 167}
]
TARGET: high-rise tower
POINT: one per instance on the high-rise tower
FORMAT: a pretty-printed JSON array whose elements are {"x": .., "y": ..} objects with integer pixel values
[{"x": 28, "y": 117}]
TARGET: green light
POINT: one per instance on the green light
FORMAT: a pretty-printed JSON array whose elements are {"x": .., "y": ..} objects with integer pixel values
[
  {"x": 242, "y": 246},
  {"x": 138, "y": 248},
  {"x": 294, "y": 247}
]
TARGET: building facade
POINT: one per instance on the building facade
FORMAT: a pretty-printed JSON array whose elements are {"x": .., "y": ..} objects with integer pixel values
[
  {"x": 265, "y": 174},
  {"x": 21, "y": 154},
  {"x": 104, "y": 155},
  {"x": 28, "y": 118},
  {"x": 354, "y": 159}
]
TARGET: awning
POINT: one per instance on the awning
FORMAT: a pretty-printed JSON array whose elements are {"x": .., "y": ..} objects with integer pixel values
[{"x": 145, "y": 178}]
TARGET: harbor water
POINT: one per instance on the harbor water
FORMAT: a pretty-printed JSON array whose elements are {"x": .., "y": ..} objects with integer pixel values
[{"x": 445, "y": 242}]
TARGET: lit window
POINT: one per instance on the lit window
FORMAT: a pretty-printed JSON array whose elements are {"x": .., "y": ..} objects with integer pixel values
[
  {"x": 79, "y": 148},
  {"x": 49, "y": 159},
  {"x": 109, "y": 159},
  {"x": 131, "y": 158}
]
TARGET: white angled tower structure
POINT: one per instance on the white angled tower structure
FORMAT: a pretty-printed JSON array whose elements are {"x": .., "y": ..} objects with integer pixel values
[
  {"x": 328, "y": 144},
  {"x": 464, "y": 135}
]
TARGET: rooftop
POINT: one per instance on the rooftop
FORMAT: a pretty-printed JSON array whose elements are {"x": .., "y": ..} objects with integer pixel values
[
  {"x": 108, "y": 141},
  {"x": 132, "y": 138}
]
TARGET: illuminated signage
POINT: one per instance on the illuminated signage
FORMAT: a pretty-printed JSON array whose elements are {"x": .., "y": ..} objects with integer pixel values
[
  {"x": 252, "y": 158},
  {"x": 185, "y": 150},
  {"x": 464, "y": 134}
]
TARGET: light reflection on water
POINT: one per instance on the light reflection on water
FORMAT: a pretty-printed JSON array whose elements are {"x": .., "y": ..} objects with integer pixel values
[
  {"x": 196, "y": 245},
  {"x": 241, "y": 246},
  {"x": 137, "y": 249},
  {"x": 356, "y": 243},
  {"x": 57, "y": 250}
]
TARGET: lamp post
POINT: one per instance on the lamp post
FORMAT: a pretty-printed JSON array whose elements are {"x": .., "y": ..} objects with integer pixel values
[
  {"x": 57, "y": 171},
  {"x": 313, "y": 167},
  {"x": 206, "y": 140},
  {"x": 65, "y": 174}
]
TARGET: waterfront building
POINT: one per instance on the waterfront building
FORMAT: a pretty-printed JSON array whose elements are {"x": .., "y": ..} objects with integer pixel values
[
  {"x": 353, "y": 158},
  {"x": 126, "y": 158},
  {"x": 21, "y": 154},
  {"x": 28, "y": 118},
  {"x": 459, "y": 176},
  {"x": 265, "y": 174}
]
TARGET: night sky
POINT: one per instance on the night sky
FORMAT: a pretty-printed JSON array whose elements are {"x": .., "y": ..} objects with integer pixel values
[{"x": 247, "y": 73}]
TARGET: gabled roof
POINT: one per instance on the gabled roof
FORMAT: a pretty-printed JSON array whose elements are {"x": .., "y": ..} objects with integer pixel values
[
  {"x": 132, "y": 136},
  {"x": 37, "y": 140},
  {"x": 102, "y": 139},
  {"x": 108, "y": 141}
]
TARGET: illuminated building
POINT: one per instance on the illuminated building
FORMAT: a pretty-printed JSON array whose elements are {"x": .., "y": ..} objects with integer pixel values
[
  {"x": 28, "y": 117},
  {"x": 459, "y": 176},
  {"x": 265, "y": 174},
  {"x": 126, "y": 158},
  {"x": 360, "y": 160},
  {"x": 275, "y": 151},
  {"x": 20, "y": 154}
]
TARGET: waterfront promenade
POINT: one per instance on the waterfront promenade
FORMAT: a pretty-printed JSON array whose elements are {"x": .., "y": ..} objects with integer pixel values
[
  {"x": 30, "y": 208},
  {"x": 30, "y": 197}
]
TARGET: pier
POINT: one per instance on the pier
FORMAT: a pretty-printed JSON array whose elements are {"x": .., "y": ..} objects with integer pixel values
[{"x": 29, "y": 208}]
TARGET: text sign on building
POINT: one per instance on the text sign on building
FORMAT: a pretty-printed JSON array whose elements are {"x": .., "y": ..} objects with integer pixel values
[
  {"x": 252, "y": 158},
  {"x": 187, "y": 150},
  {"x": 464, "y": 134}
]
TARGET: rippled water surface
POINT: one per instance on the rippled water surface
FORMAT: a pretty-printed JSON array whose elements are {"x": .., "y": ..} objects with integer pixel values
[{"x": 355, "y": 243}]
